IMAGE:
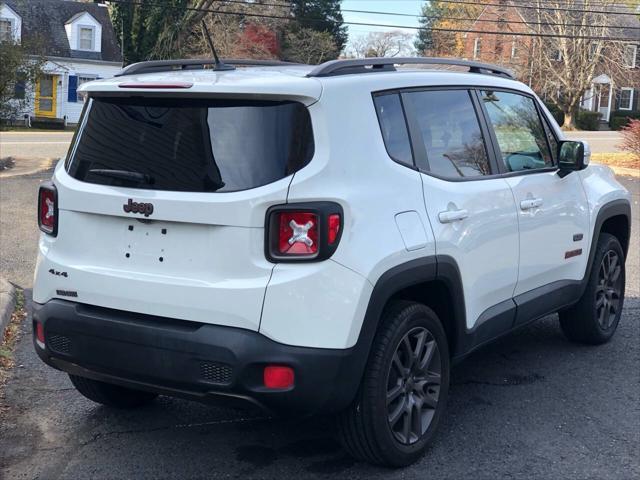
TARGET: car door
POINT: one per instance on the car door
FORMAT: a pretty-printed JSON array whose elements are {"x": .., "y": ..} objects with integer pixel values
[
  {"x": 553, "y": 213},
  {"x": 471, "y": 210}
]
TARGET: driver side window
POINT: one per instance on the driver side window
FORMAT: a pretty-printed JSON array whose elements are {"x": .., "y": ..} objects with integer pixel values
[{"x": 521, "y": 136}]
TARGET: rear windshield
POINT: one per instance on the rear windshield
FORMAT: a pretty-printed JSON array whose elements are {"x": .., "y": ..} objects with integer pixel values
[{"x": 191, "y": 145}]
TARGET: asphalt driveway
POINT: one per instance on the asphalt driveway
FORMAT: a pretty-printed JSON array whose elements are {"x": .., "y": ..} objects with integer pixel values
[{"x": 531, "y": 406}]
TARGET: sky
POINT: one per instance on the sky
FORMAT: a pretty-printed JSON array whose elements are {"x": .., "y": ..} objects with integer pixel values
[{"x": 411, "y": 7}]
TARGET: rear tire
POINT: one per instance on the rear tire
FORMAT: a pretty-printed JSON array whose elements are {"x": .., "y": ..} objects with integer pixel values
[
  {"x": 111, "y": 395},
  {"x": 594, "y": 319},
  {"x": 404, "y": 389}
]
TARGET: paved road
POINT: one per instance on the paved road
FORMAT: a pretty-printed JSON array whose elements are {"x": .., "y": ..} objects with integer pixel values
[
  {"x": 600, "y": 142},
  {"x": 532, "y": 406},
  {"x": 34, "y": 144},
  {"x": 55, "y": 144}
]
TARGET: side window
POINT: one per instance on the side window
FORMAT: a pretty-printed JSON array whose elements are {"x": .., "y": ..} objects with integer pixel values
[
  {"x": 521, "y": 136},
  {"x": 451, "y": 133},
  {"x": 394, "y": 127}
]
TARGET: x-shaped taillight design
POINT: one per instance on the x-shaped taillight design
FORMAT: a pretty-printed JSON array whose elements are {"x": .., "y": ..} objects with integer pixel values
[
  {"x": 300, "y": 233},
  {"x": 50, "y": 208}
]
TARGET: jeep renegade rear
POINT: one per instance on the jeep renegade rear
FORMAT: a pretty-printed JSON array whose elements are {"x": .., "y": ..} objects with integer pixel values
[{"x": 317, "y": 239}]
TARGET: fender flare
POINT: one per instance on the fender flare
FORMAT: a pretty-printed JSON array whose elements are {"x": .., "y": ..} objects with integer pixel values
[
  {"x": 607, "y": 211},
  {"x": 431, "y": 268}
]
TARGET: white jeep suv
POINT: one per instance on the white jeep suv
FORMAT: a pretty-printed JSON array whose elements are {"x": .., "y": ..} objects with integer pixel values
[{"x": 324, "y": 239}]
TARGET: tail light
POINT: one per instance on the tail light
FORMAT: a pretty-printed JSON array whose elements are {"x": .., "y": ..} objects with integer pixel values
[
  {"x": 48, "y": 208},
  {"x": 303, "y": 231}
]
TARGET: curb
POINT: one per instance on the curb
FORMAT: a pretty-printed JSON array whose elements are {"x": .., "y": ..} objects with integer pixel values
[
  {"x": 42, "y": 165},
  {"x": 7, "y": 304},
  {"x": 625, "y": 171}
]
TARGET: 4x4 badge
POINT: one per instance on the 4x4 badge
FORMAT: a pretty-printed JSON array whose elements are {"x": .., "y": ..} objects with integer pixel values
[{"x": 135, "y": 207}]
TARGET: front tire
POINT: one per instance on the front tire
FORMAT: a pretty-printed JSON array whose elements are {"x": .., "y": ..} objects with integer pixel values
[
  {"x": 594, "y": 319},
  {"x": 111, "y": 395},
  {"x": 404, "y": 390}
]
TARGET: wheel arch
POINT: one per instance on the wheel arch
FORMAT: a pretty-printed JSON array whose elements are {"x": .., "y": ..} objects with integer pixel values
[
  {"x": 433, "y": 281},
  {"x": 613, "y": 218}
]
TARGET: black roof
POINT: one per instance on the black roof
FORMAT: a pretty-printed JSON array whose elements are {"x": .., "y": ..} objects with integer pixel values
[{"x": 43, "y": 21}]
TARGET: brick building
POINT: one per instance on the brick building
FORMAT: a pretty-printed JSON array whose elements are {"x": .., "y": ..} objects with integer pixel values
[{"x": 514, "y": 49}]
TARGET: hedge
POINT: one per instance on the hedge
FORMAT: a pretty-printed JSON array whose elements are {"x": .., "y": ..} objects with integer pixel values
[
  {"x": 586, "y": 120},
  {"x": 620, "y": 118},
  {"x": 556, "y": 112}
]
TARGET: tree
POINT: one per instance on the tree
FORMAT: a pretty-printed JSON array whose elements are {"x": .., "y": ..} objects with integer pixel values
[
  {"x": 383, "y": 44},
  {"x": 322, "y": 16},
  {"x": 563, "y": 67},
  {"x": 305, "y": 45},
  {"x": 20, "y": 65},
  {"x": 442, "y": 15}
]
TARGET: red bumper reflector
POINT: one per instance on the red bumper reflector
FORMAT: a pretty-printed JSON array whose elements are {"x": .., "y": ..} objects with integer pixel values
[
  {"x": 40, "y": 333},
  {"x": 278, "y": 376}
]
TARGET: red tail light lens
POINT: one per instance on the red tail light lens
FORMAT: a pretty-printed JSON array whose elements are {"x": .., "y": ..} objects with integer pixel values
[
  {"x": 297, "y": 233},
  {"x": 48, "y": 209},
  {"x": 40, "y": 334},
  {"x": 303, "y": 232},
  {"x": 334, "y": 228},
  {"x": 278, "y": 377}
]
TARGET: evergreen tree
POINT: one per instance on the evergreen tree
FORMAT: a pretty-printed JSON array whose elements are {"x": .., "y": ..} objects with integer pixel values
[{"x": 322, "y": 16}]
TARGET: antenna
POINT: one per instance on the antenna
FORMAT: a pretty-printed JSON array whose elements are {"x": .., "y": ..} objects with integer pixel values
[{"x": 218, "y": 64}]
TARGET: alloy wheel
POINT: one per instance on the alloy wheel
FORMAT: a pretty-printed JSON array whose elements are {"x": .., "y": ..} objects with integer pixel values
[
  {"x": 608, "y": 289},
  {"x": 413, "y": 385}
]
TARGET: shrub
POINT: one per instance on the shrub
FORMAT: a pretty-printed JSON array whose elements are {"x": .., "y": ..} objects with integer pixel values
[
  {"x": 631, "y": 138},
  {"x": 586, "y": 120},
  {"x": 620, "y": 118},
  {"x": 557, "y": 113}
]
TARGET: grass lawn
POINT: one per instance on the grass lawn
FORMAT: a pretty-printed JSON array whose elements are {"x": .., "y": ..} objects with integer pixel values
[{"x": 618, "y": 159}]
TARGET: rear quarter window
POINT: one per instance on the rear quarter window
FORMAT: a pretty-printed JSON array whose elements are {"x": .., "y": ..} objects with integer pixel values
[{"x": 194, "y": 145}]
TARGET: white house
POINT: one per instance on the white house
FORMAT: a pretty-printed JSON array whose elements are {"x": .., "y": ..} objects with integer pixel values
[{"x": 79, "y": 45}]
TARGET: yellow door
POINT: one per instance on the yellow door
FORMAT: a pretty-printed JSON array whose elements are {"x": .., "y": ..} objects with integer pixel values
[{"x": 46, "y": 96}]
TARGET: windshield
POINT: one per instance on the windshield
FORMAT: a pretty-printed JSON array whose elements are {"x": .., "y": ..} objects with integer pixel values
[{"x": 191, "y": 145}]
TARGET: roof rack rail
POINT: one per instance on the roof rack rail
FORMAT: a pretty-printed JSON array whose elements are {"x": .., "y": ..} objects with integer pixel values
[
  {"x": 193, "y": 64},
  {"x": 386, "y": 64}
]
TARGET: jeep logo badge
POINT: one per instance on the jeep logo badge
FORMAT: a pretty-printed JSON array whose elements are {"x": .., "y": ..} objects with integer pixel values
[{"x": 135, "y": 207}]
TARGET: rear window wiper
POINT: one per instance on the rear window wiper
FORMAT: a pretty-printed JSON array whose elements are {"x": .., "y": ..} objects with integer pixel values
[{"x": 124, "y": 175}]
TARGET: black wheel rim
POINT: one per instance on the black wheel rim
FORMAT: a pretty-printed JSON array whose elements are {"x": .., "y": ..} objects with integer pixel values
[
  {"x": 608, "y": 290},
  {"x": 413, "y": 385}
]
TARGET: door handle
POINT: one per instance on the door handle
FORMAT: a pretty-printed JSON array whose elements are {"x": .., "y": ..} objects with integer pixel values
[
  {"x": 530, "y": 203},
  {"x": 450, "y": 216}
]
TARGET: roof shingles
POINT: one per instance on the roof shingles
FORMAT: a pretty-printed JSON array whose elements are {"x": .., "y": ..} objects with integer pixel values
[{"x": 43, "y": 23}]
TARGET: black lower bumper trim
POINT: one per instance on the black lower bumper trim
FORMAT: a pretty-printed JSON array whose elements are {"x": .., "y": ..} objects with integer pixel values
[{"x": 203, "y": 362}]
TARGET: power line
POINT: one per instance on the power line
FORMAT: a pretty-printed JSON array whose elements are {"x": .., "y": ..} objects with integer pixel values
[
  {"x": 408, "y": 27},
  {"x": 470, "y": 19},
  {"x": 530, "y": 7}
]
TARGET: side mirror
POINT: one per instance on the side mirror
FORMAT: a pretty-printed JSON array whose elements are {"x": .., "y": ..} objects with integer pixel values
[{"x": 573, "y": 156}]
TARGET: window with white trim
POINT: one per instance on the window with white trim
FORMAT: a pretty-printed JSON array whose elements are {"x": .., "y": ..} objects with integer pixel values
[
  {"x": 630, "y": 53},
  {"x": 6, "y": 30},
  {"x": 477, "y": 47},
  {"x": 514, "y": 47},
  {"x": 86, "y": 38},
  {"x": 626, "y": 98},
  {"x": 556, "y": 55},
  {"x": 83, "y": 79}
]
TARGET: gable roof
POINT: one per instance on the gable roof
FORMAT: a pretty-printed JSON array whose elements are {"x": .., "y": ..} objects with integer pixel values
[{"x": 43, "y": 22}]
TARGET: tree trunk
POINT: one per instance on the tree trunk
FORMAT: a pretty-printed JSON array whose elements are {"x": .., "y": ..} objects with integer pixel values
[{"x": 569, "y": 122}]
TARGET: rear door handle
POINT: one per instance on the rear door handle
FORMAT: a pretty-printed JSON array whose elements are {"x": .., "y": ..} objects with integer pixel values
[
  {"x": 530, "y": 203},
  {"x": 450, "y": 216}
]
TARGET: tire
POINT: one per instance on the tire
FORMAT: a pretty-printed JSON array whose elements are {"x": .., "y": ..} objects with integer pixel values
[
  {"x": 374, "y": 432},
  {"x": 594, "y": 319},
  {"x": 111, "y": 395}
]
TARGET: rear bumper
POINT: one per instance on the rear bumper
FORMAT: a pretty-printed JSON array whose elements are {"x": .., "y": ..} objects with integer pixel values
[{"x": 204, "y": 362}]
